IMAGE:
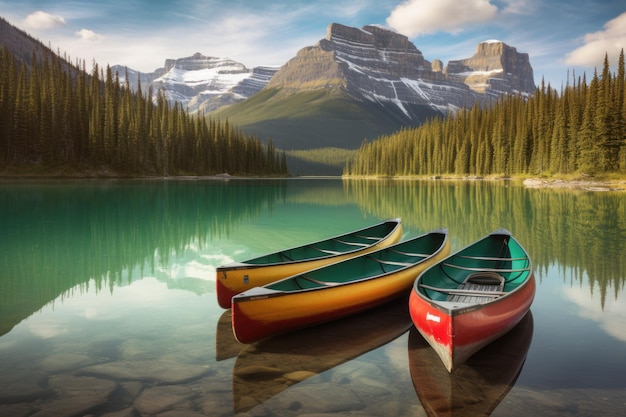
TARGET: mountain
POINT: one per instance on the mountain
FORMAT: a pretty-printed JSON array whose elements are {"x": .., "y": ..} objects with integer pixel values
[
  {"x": 201, "y": 82},
  {"x": 18, "y": 42},
  {"x": 496, "y": 68},
  {"x": 363, "y": 83}
]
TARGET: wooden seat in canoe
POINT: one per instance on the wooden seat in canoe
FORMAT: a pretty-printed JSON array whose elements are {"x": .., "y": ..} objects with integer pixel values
[{"x": 478, "y": 288}]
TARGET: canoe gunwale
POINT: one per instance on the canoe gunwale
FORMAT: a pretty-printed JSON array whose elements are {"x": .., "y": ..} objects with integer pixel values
[
  {"x": 325, "y": 285},
  {"x": 326, "y": 254}
]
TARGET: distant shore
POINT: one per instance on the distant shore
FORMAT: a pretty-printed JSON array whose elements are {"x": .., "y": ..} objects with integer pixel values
[{"x": 586, "y": 184}]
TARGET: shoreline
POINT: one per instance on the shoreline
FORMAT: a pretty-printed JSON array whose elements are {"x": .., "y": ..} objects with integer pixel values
[
  {"x": 595, "y": 185},
  {"x": 586, "y": 185},
  {"x": 590, "y": 184}
]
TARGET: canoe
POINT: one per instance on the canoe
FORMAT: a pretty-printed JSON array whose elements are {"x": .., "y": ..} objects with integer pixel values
[
  {"x": 473, "y": 297},
  {"x": 336, "y": 290},
  {"x": 233, "y": 278},
  {"x": 476, "y": 387},
  {"x": 265, "y": 369}
]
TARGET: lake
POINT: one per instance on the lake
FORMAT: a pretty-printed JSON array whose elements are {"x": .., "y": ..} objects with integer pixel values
[{"x": 108, "y": 305}]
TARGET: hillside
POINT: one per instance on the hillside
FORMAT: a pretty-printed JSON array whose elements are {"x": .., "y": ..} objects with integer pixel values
[{"x": 315, "y": 118}]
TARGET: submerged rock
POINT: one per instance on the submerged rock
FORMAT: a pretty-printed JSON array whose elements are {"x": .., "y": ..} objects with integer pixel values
[
  {"x": 166, "y": 372},
  {"x": 75, "y": 396}
]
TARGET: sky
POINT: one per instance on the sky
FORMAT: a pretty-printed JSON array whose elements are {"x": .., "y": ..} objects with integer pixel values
[{"x": 562, "y": 37}]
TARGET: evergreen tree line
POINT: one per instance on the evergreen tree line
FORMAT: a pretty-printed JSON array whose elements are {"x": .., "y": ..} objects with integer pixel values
[
  {"x": 579, "y": 130},
  {"x": 59, "y": 118}
]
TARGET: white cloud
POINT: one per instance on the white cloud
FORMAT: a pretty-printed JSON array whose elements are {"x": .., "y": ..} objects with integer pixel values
[
  {"x": 88, "y": 35},
  {"x": 415, "y": 17},
  {"x": 519, "y": 7},
  {"x": 609, "y": 41},
  {"x": 43, "y": 20},
  {"x": 610, "y": 317}
]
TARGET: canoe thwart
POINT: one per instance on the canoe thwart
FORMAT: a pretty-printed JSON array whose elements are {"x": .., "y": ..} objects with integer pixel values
[
  {"x": 463, "y": 291},
  {"x": 367, "y": 237},
  {"x": 317, "y": 281},
  {"x": 486, "y": 278},
  {"x": 363, "y": 245},
  {"x": 391, "y": 262},
  {"x": 421, "y": 255},
  {"x": 328, "y": 251},
  {"x": 469, "y": 268},
  {"x": 491, "y": 258},
  {"x": 480, "y": 286}
]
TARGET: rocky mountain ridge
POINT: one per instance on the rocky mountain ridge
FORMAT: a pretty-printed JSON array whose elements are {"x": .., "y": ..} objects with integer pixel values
[
  {"x": 495, "y": 68},
  {"x": 372, "y": 63},
  {"x": 380, "y": 65}
]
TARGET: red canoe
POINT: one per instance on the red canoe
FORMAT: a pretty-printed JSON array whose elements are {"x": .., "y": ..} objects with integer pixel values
[{"x": 473, "y": 297}]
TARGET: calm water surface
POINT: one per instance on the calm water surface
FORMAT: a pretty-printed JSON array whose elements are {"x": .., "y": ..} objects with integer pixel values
[{"x": 107, "y": 302}]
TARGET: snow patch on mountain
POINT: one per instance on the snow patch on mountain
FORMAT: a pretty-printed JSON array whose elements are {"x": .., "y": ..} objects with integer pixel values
[{"x": 201, "y": 83}]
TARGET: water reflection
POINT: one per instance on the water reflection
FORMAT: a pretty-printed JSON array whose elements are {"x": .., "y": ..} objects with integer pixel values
[
  {"x": 584, "y": 232},
  {"x": 610, "y": 314},
  {"x": 103, "y": 265},
  {"x": 226, "y": 346},
  {"x": 479, "y": 385},
  {"x": 58, "y": 236},
  {"x": 267, "y": 368}
]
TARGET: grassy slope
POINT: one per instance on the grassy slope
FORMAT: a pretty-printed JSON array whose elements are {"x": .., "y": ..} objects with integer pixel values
[{"x": 312, "y": 119}]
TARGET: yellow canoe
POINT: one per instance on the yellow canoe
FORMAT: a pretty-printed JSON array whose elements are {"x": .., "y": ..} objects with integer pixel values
[
  {"x": 231, "y": 279},
  {"x": 336, "y": 290}
]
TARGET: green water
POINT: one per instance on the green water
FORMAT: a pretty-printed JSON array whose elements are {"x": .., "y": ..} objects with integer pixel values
[{"x": 110, "y": 285}]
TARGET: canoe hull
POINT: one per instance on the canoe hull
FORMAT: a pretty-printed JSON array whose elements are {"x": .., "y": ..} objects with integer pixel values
[
  {"x": 456, "y": 336},
  {"x": 235, "y": 278},
  {"x": 268, "y": 314},
  {"x": 478, "y": 386}
]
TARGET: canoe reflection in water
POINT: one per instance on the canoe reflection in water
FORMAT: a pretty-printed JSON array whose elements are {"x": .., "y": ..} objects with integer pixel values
[
  {"x": 477, "y": 386},
  {"x": 226, "y": 346},
  {"x": 264, "y": 369}
]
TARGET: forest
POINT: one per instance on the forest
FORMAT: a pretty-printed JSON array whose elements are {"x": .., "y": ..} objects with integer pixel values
[
  {"x": 577, "y": 131},
  {"x": 59, "y": 119}
]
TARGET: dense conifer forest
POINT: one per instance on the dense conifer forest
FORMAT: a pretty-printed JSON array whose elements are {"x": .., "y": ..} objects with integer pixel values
[
  {"x": 59, "y": 118},
  {"x": 579, "y": 130}
]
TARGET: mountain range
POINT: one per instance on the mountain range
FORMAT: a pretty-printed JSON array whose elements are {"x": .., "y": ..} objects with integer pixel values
[
  {"x": 355, "y": 83},
  {"x": 352, "y": 85}
]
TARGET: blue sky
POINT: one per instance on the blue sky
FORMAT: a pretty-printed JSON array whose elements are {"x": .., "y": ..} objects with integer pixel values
[{"x": 559, "y": 35}]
